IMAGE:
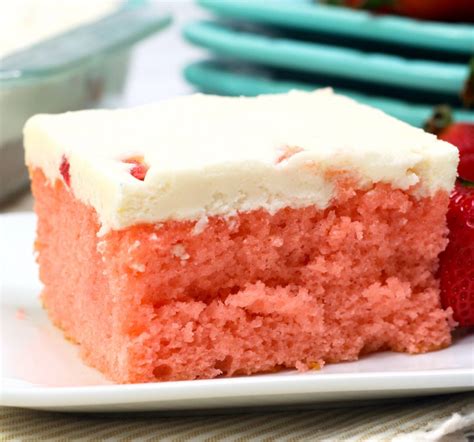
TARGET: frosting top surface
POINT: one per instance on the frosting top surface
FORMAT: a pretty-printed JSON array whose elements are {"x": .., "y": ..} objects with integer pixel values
[{"x": 210, "y": 155}]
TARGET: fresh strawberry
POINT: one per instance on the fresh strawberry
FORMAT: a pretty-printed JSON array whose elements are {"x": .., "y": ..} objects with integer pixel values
[
  {"x": 460, "y": 134},
  {"x": 441, "y": 10},
  {"x": 457, "y": 261}
]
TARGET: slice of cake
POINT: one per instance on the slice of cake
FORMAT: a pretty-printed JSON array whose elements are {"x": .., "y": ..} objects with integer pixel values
[{"x": 208, "y": 236}]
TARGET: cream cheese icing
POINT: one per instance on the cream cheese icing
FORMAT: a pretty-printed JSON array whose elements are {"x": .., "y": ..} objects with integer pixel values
[{"x": 209, "y": 155}]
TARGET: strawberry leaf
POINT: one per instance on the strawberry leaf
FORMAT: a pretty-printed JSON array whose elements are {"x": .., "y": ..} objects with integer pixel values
[
  {"x": 377, "y": 4},
  {"x": 466, "y": 183},
  {"x": 442, "y": 117}
]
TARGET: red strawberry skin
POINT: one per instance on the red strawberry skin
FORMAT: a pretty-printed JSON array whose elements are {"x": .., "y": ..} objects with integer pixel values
[
  {"x": 440, "y": 10},
  {"x": 457, "y": 261},
  {"x": 461, "y": 135}
]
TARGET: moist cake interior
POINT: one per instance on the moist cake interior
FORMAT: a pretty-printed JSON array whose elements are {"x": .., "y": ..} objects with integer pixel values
[{"x": 257, "y": 292}]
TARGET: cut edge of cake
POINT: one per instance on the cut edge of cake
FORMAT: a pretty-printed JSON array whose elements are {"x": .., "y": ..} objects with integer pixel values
[{"x": 260, "y": 280}]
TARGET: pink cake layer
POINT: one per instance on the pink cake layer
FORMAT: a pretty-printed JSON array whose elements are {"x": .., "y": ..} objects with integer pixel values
[{"x": 254, "y": 293}]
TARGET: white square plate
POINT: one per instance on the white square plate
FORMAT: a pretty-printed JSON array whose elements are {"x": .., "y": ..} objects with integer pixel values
[{"x": 40, "y": 369}]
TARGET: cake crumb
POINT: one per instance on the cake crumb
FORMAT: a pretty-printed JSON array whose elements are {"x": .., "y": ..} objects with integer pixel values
[
  {"x": 301, "y": 366},
  {"x": 20, "y": 314},
  {"x": 134, "y": 246},
  {"x": 153, "y": 237},
  {"x": 179, "y": 251},
  {"x": 359, "y": 231},
  {"x": 315, "y": 366},
  {"x": 188, "y": 333},
  {"x": 277, "y": 242},
  {"x": 101, "y": 247},
  {"x": 233, "y": 224},
  {"x": 140, "y": 268},
  {"x": 200, "y": 226}
]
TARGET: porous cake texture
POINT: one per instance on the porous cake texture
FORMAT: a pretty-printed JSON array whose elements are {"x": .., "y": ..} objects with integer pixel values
[{"x": 297, "y": 251}]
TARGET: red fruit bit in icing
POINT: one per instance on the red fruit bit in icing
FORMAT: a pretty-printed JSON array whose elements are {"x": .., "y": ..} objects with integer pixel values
[
  {"x": 287, "y": 153},
  {"x": 139, "y": 168},
  {"x": 64, "y": 170}
]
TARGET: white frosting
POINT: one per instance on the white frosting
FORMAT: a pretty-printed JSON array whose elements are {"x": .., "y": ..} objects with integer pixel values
[{"x": 211, "y": 155}]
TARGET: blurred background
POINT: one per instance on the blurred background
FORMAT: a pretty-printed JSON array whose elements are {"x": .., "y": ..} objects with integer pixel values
[{"x": 402, "y": 56}]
